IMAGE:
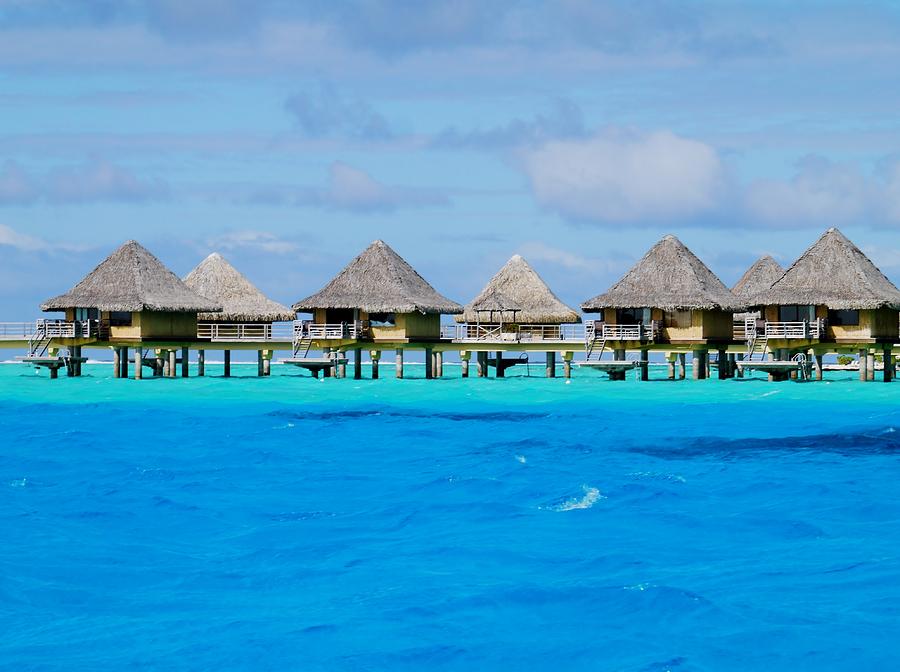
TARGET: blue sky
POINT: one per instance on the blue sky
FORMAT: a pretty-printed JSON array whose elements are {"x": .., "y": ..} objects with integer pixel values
[{"x": 287, "y": 136}]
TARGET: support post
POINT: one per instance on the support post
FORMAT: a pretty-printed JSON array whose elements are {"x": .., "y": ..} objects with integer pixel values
[
  {"x": 670, "y": 365},
  {"x": 267, "y": 362},
  {"x": 619, "y": 356},
  {"x": 723, "y": 363},
  {"x": 54, "y": 373},
  {"x": 645, "y": 365},
  {"x": 551, "y": 364},
  {"x": 438, "y": 364},
  {"x": 357, "y": 364},
  {"x": 682, "y": 365},
  {"x": 464, "y": 357},
  {"x": 429, "y": 364},
  {"x": 399, "y": 363},
  {"x": 138, "y": 363},
  {"x": 732, "y": 366},
  {"x": 376, "y": 357},
  {"x": 123, "y": 361},
  {"x": 863, "y": 363},
  {"x": 161, "y": 365},
  {"x": 227, "y": 354},
  {"x": 567, "y": 364},
  {"x": 500, "y": 371},
  {"x": 698, "y": 365},
  {"x": 70, "y": 363},
  {"x": 888, "y": 363},
  {"x": 870, "y": 365},
  {"x": 482, "y": 363},
  {"x": 259, "y": 364},
  {"x": 201, "y": 363},
  {"x": 817, "y": 366},
  {"x": 185, "y": 362},
  {"x": 328, "y": 371},
  {"x": 740, "y": 371}
]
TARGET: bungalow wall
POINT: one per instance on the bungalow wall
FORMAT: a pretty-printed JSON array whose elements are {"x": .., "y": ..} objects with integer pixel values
[
  {"x": 881, "y": 324},
  {"x": 687, "y": 325},
  {"x": 157, "y": 326}
]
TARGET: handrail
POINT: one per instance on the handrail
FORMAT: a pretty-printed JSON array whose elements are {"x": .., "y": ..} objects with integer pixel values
[
  {"x": 307, "y": 329},
  {"x": 253, "y": 333},
  {"x": 805, "y": 329},
  {"x": 513, "y": 333},
  {"x": 597, "y": 330},
  {"x": 16, "y": 331}
]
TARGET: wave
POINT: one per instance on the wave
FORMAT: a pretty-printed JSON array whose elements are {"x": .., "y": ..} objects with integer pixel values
[{"x": 591, "y": 497}]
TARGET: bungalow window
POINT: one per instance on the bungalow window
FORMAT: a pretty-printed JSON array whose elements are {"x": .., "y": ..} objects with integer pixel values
[
  {"x": 843, "y": 318},
  {"x": 119, "y": 319},
  {"x": 679, "y": 319},
  {"x": 383, "y": 319},
  {"x": 85, "y": 314},
  {"x": 630, "y": 316},
  {"x": 794, "y": 313}
]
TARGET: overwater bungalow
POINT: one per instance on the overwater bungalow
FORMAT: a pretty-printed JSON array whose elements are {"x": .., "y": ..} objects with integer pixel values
[
  {"x": 130, "y": 300},
  {"x": 755, "y": 280},
  {"x": 517, "y": 308},
  {"x": 247, "y": 314},
  {"x": 378, "y": 299},
  {"x": 669, "y": 300},
  {"x": 833, "y": 298}
]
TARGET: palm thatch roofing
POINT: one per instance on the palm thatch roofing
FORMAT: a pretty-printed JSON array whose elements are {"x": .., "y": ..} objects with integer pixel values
[
  {"x": 379, "y": 281},
  {"x": 758, "y": 278},
  {"x": 129, "y": 280},
  {"x": 835, "y": 273},
  {"x": 241, "y": 301},
  {"x": 518, "y": 294},
  {"x": 670, "y": 277}
]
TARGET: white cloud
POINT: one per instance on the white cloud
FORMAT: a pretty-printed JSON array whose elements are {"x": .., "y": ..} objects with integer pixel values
[
  {"x": 261, "y": 241},
  {"x": 538, "y": 251},
  {"x": 618, "y": 177},
  {"x": 9, "y": 237}
]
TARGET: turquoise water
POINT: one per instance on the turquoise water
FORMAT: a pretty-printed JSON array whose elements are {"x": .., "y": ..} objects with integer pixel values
[{"x": 517, "y": 524}]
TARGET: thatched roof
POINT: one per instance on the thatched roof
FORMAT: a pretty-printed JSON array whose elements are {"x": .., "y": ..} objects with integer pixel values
[
  {"x": 379, "y": 281},
  {"x": 669, "y": 277},
  {"x": 241, "y": 301},
  {"x": 131, "y": 279},
  {"x": 833, "y": 273},
  {"x": 758, "y": 278},
  {"x": 518, "y": 294}
]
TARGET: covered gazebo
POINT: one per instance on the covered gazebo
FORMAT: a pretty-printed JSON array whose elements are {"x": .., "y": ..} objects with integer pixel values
[{"x": 247, "y": 314}]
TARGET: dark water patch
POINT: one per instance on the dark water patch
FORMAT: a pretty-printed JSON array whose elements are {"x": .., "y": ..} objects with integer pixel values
[
  {"x": 350, "y": 415},
  {"x": 873, "y": 442}
]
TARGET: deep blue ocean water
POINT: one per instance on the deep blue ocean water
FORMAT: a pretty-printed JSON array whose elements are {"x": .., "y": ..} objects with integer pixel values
[{"x": 517, "y": 524}]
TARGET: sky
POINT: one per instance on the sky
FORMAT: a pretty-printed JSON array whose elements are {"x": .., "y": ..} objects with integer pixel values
[{"x": 287, "y": 136}]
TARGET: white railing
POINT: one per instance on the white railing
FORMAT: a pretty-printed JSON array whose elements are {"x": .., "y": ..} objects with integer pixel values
[
  {"x": 805, "y": 330},
  {"x": 744, "y": 328},
  {"x": 318, "y": 331},
  {"x": 595, "y": 330},
  {"x": 65, "y": 329},
  {"x": 512, "y": 333},
  {"x": 251, "y": 333},
  {"x": 16, "y": 331}
]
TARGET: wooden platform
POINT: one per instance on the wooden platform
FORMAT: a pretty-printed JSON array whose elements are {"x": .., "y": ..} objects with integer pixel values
[
  {"x": 611, "y": 365},
  {"x": 315, "y": 364}
]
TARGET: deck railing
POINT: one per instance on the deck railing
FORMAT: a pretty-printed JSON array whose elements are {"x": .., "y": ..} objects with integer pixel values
[
  {"x": 16, "y": 331},
  {"x": 518, "y": 333},
  {"x": 320, "y": 332},
  {"x": 66, "y": 329},
  {"x": 804, "y": 330},
  {"x": 596, "y": 330},
  {"x": 250, "y": 333}
]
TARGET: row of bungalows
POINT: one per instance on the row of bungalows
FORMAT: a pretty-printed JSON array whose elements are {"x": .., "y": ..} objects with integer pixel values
[{"x": 832, "y": 299}]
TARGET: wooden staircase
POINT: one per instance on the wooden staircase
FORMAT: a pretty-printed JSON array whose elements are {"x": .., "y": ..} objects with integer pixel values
[
  {"x": 757, "y": 348},
  {"x": 598, "y": 345},
  {"x": 301, "y": 347}
]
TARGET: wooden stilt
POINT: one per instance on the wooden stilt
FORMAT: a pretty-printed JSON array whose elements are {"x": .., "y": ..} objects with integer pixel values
[
  {"x": 375, "y": 356},
  {"x": 138, "y": 363},
  {"x": 481, "y": 361},
  {"x": 670, "y": 368},
  {"x": 870, "y": 365},
  {"x": 429, "y": 363},
  {"x": 54, "y": 373},
  {"x": 619, "y": 355},
  {"x": 399, "y": 363},
  {"x": 740, "y": 371},
  {"x": 697, "y": 364},
  {"x": 201, "y": 363},
  {"x": 645, "y": 365},
  {"x": 227, "y": 356},
  {"x": 267, "y": 363},
  {"x": 888, "y": 357},
  {"x": 123, "y": 361},
  {"x": 863, "y": 363},
  {"x": 551, "y": 364},
  {"x": 259, "y": 364},
  {"x": 567, "y": 364},
  {"x": 438, "y": 364},
  {"x": 682, "y": 365},
  {"x": 723, "y": 363},
  {"x": 328, "y": 372},
  {"x": 499, "y": 371},
  {"x": 817, "y": 366},
  {"x": 464, "y": 360},
  {"x": 173, "y": 364},
  {"x": 357, "y": 364},
  {"x": 185, "y": 362}
]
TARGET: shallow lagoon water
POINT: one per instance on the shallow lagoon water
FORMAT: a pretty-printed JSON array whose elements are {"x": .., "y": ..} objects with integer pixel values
[{"x": 525, "y": 523}]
